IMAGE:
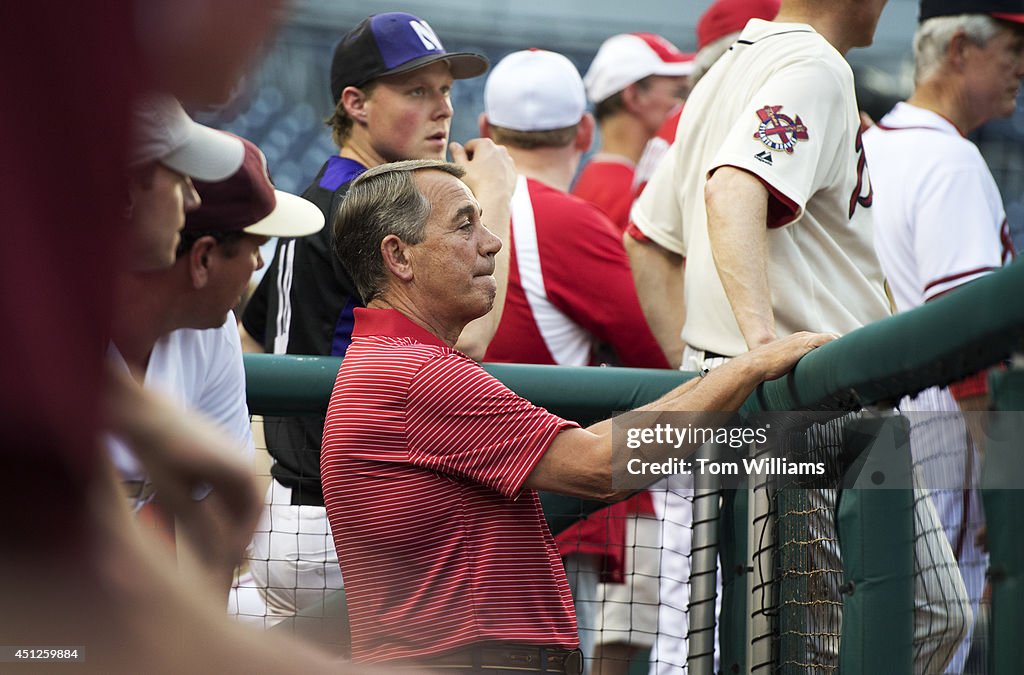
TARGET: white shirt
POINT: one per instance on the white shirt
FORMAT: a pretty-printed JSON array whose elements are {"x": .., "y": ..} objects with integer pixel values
[
  {"x": 939, "y": 218},
  {"x": 779, "y": 104},
  {"x": 203, "y": 370}
]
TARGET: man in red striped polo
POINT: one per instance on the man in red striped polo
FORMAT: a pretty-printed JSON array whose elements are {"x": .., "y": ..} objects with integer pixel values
[{"x": 430, "y": 465}]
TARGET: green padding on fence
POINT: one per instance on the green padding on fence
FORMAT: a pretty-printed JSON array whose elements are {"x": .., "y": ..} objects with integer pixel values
[
  {"x": 732, "y": 631},
  {"x": 930, "y": 345},
  {"x": 1002, "y": 480},
  {"x": 1007, "y": 390},
  {"x": 943, "y": 341},
  {"x": 288, "y": 385},
  {"x": 876, "y": 536}
]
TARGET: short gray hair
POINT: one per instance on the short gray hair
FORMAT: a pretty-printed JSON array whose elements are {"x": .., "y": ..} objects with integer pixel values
[
  {"x": 381, "y": 202},
  {"x": 931, "y": 41}
]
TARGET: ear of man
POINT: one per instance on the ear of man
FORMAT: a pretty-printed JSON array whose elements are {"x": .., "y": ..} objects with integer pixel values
[
  {"x": 585, "y": 132},
  {"x": 958, "y": 50},
  {"x": 354, "y": 100},
  {"x": 396, "y": 257},
  {"x": 485, "y": 126},
  {"x": 631, "y": 96},
  {"x": 200, "y": 259}
]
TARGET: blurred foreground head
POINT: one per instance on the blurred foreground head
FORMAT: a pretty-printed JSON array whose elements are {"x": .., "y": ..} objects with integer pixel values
[{"x": 199, "y": 49}]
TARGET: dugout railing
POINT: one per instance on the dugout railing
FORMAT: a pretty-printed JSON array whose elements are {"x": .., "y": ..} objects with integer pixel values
[{"x": 950, "y": 338}]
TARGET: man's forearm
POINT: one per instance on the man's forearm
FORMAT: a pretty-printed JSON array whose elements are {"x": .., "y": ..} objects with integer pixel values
[
  {"x": 658, "y": 276},
  {"x": 737, "y": 207}
]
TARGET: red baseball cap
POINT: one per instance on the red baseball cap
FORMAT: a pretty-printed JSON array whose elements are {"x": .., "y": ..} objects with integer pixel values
[
  {"x": 246, "y": 201},
  {"x": 630, "y": 57},
  {"x": 731, "y": 16}
]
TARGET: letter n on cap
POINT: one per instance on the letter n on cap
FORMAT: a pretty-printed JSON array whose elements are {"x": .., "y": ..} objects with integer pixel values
[{"x": 427, "y": 35}]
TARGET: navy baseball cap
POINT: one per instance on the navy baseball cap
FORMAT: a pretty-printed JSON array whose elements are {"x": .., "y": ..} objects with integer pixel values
[
  {"x": 1007, "y": 10},
  {"x": 391, "y": 43}
]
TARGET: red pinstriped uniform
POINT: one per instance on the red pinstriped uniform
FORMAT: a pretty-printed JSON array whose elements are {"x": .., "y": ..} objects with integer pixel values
[{"x": 424, "y": 460}]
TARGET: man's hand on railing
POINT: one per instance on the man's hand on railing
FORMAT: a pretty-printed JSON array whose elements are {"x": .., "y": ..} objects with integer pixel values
[{"x": 775, "y": 359}]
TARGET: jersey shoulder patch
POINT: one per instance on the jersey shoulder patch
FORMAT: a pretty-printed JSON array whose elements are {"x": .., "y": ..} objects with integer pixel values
[{"x": 778, "y": 131}]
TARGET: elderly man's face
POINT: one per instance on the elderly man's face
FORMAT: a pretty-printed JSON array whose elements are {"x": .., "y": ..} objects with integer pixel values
[
  {"x": 453, "y": 266},
  {"x": 993, "y": 73}
]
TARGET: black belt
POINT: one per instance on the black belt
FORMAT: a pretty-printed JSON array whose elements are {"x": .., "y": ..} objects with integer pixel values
[
  {"x": 305, "y": 496},
  {"x": 708, "y": 354},
  {"x": 497, "y": 656}
]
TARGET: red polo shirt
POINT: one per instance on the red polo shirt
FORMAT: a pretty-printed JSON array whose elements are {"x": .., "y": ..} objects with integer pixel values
[{"x": 424, "y": 460}]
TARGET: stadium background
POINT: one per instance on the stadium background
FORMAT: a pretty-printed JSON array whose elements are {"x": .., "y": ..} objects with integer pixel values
[{"x": 281, "y": 106}]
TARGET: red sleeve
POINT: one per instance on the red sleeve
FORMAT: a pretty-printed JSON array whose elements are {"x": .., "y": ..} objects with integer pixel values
[
  {"x": 975, "y": 385},
  {"x": 587, "y": 276},
  {"x": 462, "y": 421},
  {"x": 781, "y": 209},
  {"x": 635, "y": 232}
]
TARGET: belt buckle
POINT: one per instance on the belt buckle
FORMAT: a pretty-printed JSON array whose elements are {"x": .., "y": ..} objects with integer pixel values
[
  {"x": 524, "y": 660},
  {"x": 573, "y": 663}
]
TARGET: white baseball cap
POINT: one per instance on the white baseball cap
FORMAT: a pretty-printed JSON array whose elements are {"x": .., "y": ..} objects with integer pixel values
[
  {"x": 630, "y": 57},
  {"x": 534, "y": 90},
  {"x": 164, "y": 133}
]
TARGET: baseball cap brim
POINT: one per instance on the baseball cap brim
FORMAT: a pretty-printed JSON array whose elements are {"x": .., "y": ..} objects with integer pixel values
[
  {"x": 461, "y": 65},
  {"x": 676, "y": 68},
  {"x": 292, "y": 217},
  {"x": 1009, "y": 16},
  {"x": 207, "y": 155}
]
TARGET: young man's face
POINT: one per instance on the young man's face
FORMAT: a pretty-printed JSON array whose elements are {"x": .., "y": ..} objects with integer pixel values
[
  {"x": 656, "y": 97},
  {"x": 409, "y": 115},
  {"x": 160, "y": 198}
]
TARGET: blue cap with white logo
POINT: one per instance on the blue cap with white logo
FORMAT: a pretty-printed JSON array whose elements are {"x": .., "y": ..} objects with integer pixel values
[{"x": 391, "y": 43}]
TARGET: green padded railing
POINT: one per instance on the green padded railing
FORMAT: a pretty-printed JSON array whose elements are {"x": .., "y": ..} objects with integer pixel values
[
  {"x": 1001, "y": 479},
  {"x": 288, "y": 385},
  {"x": 945, "y": 340}
]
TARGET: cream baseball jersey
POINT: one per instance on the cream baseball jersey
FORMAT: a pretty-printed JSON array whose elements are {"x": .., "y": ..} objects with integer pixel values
[{"x": 779, "y": 104}]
